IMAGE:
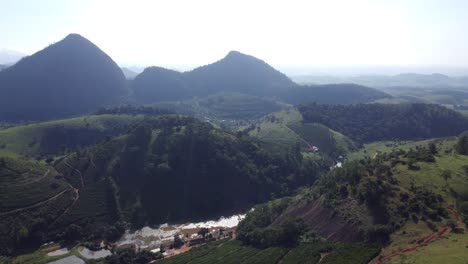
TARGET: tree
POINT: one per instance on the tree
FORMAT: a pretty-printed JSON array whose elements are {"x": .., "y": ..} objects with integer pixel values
[
  {"x": 433, "y": 148},
  {"x": 446, "y": 174},
  {"x": 177, "y": 242},
  {"x": 462, "y": 145},
  {"x": 452, "y": 223},
  {"x": 203, "y": 231}
]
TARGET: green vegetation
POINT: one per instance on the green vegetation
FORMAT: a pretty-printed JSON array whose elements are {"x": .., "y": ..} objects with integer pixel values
[
  {"x": 450, "y": 248},
  {"x": 354, "y": 253},
  {"x": 31, "y": 196},
  {"x": 462, "y": 145},
  {"x": 205, "y": 171},
  {"x": 128, "y": 255},
  {"x": 56, "y": 137},
  {"x": 228, "y": 110},
  {"x": 286, "y": 129},
  {"x": 309, "y": 253},
  {"x": 373, "y": 122},
  {"x": 258, "y": 229}
]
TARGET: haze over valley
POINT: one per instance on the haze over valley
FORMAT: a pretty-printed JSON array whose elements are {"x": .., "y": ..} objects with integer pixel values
[{"x": 219, "y": 133}]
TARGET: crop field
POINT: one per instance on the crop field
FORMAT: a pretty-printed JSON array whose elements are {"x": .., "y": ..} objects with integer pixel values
[
  {"x": 350, "y": 254},
  {"x": 233, "y": 252},
  {"x": 95, "y": 203},
  {"x": 20, "y": 181}
]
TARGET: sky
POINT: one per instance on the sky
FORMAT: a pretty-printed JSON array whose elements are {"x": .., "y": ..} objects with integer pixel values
[{"x": 283, "y": 33}]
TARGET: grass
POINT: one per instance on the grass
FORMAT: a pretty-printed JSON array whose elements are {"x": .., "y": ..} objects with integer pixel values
[
  {"x": 371, "y": 149},
  {"x": 429, "y": 176},
  {"x": 233, "y": 252},
  {"x": 352, "y": 253},
  {"x": 305, "y": 253},
  {"x": 450, "y": 248}
]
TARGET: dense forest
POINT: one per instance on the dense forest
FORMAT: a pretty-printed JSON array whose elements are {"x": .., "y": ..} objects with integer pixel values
[{"x": 374, "y": 122}]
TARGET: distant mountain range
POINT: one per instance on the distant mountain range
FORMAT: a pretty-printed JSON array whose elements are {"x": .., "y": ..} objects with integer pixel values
[
  {"x": 10, "y": 56},
  {"x": 434, "y": 80},
  {"x": 244, "y": 74},
  {"x": 70, "y": 77},
  {"x": 129, "y": 74},
  {"x": 73, "y": 77}
]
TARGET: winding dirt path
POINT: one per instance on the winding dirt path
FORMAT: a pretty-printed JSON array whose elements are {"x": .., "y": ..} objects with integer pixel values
[
  {"x": 77, "y": 193},
  {"x": 74, "y": 169},
  {"x": 32, "y": 181},
  {"x": 77, "y": 196},
  {"x": 35, "y": 205},
  {"x": 425, "y": 240}
]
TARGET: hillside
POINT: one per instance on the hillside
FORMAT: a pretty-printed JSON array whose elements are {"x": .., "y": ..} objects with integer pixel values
[
  {"x": 240, "y": 73},
  {"x": 57, "y": 137},
  {"x": 151, "y": 174},
  {"x": 375, "y": 122},
  {"x": 287, "y": 128},
  {"x": 70, "y": 77},
  {"x": 227, "y": 110},
  {"x": 244, "y": 74},
  {"x": 236, "y": 72},
  {"x": 157, "y": 84},
  {"x": 396, "y": 199}
]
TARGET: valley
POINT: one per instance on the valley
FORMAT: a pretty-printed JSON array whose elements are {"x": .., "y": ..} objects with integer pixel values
[{"x": 231, "y": 162}]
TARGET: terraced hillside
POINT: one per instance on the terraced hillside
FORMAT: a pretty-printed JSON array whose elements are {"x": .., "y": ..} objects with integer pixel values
[
  {"x": 287, "y": 128},
  {"x": 234, "y": 252},
  {"x": 32, "y": 196}
]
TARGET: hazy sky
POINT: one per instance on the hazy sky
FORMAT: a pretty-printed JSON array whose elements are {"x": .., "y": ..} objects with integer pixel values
[{"x": 327, "y": 32}]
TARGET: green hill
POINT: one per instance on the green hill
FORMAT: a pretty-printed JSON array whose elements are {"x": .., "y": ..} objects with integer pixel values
[
  {"x": 287, "y": 128},
  {"x": 395, "y": 199},
  {"x": 166, "y": 168},
  {"x": 227, "y": 110},
  {"x": 365, "y": 123},
  {"x": 56, "y": 137}
]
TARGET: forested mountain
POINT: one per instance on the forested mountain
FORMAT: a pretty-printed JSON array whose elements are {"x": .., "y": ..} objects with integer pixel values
[
  {"x": 373, "y": 122},
  {"x": 332, "y": 94},
  {"x": 159, "y": 84},
  {"x": 70, "y": 77},
  {"x": 244, "y": 74},
  {"x": 166, "y": 168},
  {"x": 2, "y": 67},
  {"x": 238, "y": 72}
]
